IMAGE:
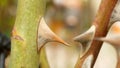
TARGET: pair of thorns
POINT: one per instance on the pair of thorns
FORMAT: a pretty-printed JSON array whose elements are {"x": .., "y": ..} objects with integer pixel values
[{"x": 46, "y": 35}]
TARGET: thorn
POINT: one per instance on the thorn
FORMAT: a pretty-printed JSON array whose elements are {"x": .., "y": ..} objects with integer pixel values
[
  {"x": 109, "y": 51},
  {"x": 113, "y": 36},
  {"x": 115, "y": 41},
  {"x": 45, "y": 35},
  {"x": 86, "y": 38}
]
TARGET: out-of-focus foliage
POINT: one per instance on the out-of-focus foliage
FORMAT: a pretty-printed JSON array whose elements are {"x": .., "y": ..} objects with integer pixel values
[
  {"x": 7, "y": 15},
  {"x": 3, "y": 3}
]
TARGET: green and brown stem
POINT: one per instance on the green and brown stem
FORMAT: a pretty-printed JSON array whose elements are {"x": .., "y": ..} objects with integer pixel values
[
  {"x": 101, "y": 22},
  {"x": 24, "y": 35}
]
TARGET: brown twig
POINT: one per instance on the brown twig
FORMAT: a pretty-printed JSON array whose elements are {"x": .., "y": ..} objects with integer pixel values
[{"x": 101, "y": 22}]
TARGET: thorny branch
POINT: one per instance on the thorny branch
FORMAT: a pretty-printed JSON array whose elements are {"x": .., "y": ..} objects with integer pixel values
[{"x": 101, "y": 22}]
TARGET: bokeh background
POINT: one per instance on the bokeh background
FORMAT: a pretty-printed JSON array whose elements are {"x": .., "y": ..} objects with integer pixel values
[{"x": 67, "y": 18}]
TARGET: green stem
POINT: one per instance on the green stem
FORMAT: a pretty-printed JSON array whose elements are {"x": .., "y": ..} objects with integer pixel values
[{"x": 24, "y": 35}]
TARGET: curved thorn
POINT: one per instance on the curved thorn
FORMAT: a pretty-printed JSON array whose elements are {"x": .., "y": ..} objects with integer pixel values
[
  {"x": 113, "y": 36},
  {"x": 86, "y": 36},
  {"x": 45, "y": 34}
]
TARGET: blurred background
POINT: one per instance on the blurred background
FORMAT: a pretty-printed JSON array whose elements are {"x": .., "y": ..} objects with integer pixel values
[{"x": 67, "y": 18}]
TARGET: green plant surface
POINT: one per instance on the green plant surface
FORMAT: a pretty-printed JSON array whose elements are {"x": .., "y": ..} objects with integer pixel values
[{"x": 24, "y": 34}]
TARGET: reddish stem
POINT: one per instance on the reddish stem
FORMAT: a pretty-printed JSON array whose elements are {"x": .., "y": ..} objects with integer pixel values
[{"x": 101, "y": 22}]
